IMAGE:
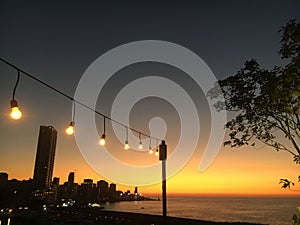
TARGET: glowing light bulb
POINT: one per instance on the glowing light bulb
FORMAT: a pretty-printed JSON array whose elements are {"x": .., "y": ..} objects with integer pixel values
[
  {"x": 156, "y": 152},
  {"x": 102, "y": 140},
  {"x": 70, "y": 129},
  {"x": 126, "y": 146},
  {"x": 150, "y": 150},
  {"x": 140, "y": 145},
  {"x": 15, "y": 111}
]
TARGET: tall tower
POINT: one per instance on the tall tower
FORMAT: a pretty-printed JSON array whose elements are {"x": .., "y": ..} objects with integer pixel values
[
  {"x": 71, "y": 178},
  {"x": 44, "y": 160}
]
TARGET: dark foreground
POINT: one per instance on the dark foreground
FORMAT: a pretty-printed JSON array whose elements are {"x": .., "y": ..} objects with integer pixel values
[{"x": 99, "y": 217}]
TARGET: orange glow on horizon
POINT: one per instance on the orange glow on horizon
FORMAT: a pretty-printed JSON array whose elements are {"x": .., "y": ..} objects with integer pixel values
[{"x": 241, "y": 171}]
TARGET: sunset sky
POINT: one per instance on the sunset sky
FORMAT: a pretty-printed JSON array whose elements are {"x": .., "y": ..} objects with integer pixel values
[{"x": 57, "y": 41}]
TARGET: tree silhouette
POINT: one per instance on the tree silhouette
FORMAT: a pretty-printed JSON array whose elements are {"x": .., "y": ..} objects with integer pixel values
[
  {"x": 286, "y": 183},
  {"x": 266, "y": 102}
]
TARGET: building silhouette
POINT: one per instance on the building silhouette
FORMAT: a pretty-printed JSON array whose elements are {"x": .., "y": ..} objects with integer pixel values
[
  {"x": 3, "y": 178},
  {"x": 71, "y": 189},
  {"x": 55, "y": 181},
  {"x": 87, "y": 191},
  {"x": 44, "y": 160},
  {"x": 102, "y": 186},
  {"x": 136, "y": 191},
  {"x": 71, "y": 178}
]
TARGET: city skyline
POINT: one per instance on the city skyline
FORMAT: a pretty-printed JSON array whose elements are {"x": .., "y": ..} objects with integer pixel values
[
  {"x": 17, "y": 194},
  {"x": 57, "y": 43},
  {"x": 69, "y": 182}
]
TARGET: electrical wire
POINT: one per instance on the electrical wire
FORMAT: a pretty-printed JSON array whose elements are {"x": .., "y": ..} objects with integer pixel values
[{"x": 72, "y": 99}]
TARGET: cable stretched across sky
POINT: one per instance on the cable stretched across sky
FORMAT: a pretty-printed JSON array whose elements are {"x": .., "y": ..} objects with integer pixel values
[{"x": 17, "y": 114}]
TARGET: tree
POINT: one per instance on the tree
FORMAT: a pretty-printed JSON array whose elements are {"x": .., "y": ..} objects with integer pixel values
[{"x": 266, "y": 102}]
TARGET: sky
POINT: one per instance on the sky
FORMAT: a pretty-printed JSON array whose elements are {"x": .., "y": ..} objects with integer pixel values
[{"x": 58, "y": 40}]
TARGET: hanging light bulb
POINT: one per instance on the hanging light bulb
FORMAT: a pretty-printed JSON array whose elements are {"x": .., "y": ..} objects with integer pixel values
[
  {"x": 15, "y": 111},
  {"x": 140, "y": 143},
  {"x": 70, "y": 128},
  {"x": 156, "y": 152},
  {"x": 150, "y": 149},
  {"x": 126, "y": 146},
  {"x": 102, "y": 140}
]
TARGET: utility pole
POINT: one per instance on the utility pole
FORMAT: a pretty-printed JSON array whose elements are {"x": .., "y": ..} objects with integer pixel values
[{"x": 163, "y": 158}]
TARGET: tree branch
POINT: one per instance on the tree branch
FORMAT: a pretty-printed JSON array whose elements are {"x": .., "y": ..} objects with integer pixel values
[
  {"x": 283, "y": 148},
  {"x": 290, "y": 136}
]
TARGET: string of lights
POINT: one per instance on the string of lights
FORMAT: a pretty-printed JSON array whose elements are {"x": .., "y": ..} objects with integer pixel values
[{"x": 17, "y": 114}]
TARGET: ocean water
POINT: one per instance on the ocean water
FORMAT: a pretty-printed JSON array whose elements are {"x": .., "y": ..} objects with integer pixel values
[{"x": 266, "y": 210}]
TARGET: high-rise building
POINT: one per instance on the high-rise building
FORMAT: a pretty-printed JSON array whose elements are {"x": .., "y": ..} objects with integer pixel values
[
  {"x": 44, "y": 160},
  {"x": 71, "y": 178},
  {"x": 70, "y": 185},
  {"x": 55, "y": 189},
  {"x": 55, "y": 181},
  {"x": 102, "y": 186},
  {"x": 3, "y": 178},
  {"x": 112, "y": 188},
  {"x": 136, "y": 191}
]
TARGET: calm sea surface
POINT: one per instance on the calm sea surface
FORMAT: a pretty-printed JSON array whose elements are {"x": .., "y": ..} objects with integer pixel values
[{"x": 267, "y": 210}]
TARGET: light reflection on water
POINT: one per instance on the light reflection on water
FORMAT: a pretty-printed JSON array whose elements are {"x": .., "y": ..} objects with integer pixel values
[{"x": 267, "y": 210}]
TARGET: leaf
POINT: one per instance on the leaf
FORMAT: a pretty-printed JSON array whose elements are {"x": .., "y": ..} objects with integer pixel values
[{"x": 286, "y": 183}]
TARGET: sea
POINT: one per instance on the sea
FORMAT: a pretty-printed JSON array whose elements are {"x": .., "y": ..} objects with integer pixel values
[{"x": 265, "y": 210}]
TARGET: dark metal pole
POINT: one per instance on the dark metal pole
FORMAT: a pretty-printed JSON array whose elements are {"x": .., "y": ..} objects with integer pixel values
[
  {"x": 164, "y": 188},
  {"x": 163, "y": 158}
]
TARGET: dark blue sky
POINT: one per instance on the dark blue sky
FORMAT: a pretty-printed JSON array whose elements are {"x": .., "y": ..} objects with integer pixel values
[
  {"x": 63, "y": 37},
  {"x": 58, "y": 40}
]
